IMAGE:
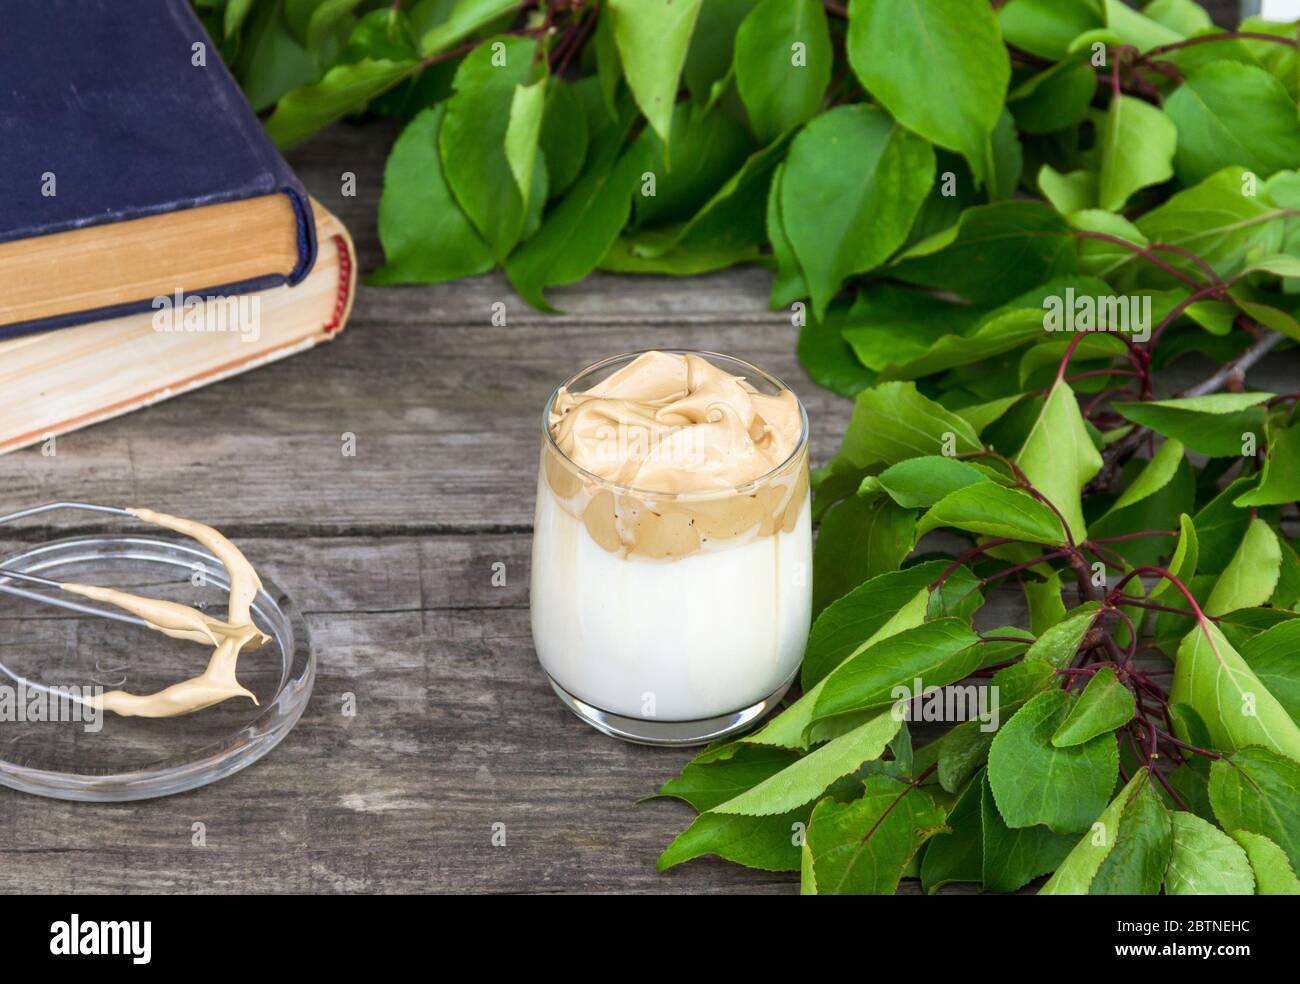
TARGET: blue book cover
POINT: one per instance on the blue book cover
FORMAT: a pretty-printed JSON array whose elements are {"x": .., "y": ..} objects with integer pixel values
[{"x": 120, "y": 110}]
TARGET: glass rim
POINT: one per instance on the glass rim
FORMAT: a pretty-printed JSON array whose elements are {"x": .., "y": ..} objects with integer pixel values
[{"x": 801, "y": 445}]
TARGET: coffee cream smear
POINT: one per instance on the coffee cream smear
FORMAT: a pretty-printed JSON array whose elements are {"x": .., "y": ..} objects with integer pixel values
[{"x": 217, "y": 682}]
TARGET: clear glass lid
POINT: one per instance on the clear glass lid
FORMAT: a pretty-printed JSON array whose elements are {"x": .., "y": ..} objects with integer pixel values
[{"x": 54, "y": 748}]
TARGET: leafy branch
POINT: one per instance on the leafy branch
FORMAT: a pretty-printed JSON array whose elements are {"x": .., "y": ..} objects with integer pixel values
[{"x": 995, "y": 226}]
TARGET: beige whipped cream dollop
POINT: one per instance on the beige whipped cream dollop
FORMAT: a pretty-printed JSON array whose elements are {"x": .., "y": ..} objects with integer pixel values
[
  {"x": 676, "y": 423},
  {"x": 217, "y": 682},
  {"x": 689, "y": 443}
]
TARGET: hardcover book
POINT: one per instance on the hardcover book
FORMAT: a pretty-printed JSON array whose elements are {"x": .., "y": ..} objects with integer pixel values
[
  {"x": 131, "y": 167},
  {"x": 55, "y": 382}
]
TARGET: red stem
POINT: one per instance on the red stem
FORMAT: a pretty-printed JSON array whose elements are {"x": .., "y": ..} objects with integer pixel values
[
  {"x": 1210, "y": 38},
  {"x": 1142, "y": 251},
  {"x": 970, "y": 554}
]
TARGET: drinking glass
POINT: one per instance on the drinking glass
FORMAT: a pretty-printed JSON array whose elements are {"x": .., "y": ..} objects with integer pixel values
[{"x": 670, "y": 618}]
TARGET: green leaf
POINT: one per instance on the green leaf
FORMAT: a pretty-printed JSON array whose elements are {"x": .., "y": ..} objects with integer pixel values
[
  {"x": 1002, "y": 330},
  {"x": 1286, "y": 595},
  {"x": 640, "y": 254},
  {"x": 708, "y": 150},
  {"x": 1229, "y": 113},
  {"x": 841, "y": 221},
  {"x": 1105, "y": 705},
  {"x": 956, "y": 856},
  {"x": 465, "y": 17},
  {"x": 862, "y": 847},
  {"x": 893, "y": 421},
  {"x": 1046, "y": 607},
  {"x": 343, "y": 89},
  {"x": 1100, "y": 258},
  {"x": 1054, "y": 99},
  {"x": 1059, "y": 457},
  {"x": 804, "y": 780},
  {"x": 910, "y": 339},
  {"x": 1137, "y": 863},
  {"x": 767, "y": 843},
  {"x": 852, "y": 622},
  {"x": 1047, "y": 27},
  {"x": 1217, "y": 222},
  {"x": 609, "y": 70},
  {"x": 789, "y": 284},
  {"x": 734, "y": 215},
  {"x": 1156, "y": 474},
  {"x": 382, "y": 34},
  {"x": 1005, "y": 159},
  {"x": 1137, "y": 150},
  {"x": 473, "y": 139},
  {"x": 1072, "y": 192},
  {"x": 889, "y": 325},
  {"x": 1271, "y": 656},
  {"x": 1211, "y": 425},
  {"x": 1079, "y": 870},
  {"x": 826, "y": 355},
  {"x": 936, "y": 653},
  {"x": 1035, "y": 782},
  {"x": 1254, "y": 789},
  {"x": 1132, "y": 27},
  {"x": 236, "y": 12},
  {"x": 1184, "y": 16},
  {"x": 859, "y": 539},
  {"x": 1206, "y": 861},
  {"x": 271, "y": 62},
  {"x": 324, "y": 18},
  {"x": 425, "y": 235},
  {"x": 1250, "y": 577},
  {"x": 522, "y": 133},
  {"x": 1182, "y": 564},
  {"x": 1273, "y": 872},
  {"x": 652, "y": 38},
  {"x": 906, "y": 54},
  {"x": 578, "y": 232},
  {"x": 1015, "y": 857},
  {"x": 921, "y": 482},
  {"x": 998, "y": 332},
  {"x": 1211, "y": 677},
  {"x": 1280, "y": 479},
  {"x": 708, "y": 784},
  {"x": 983, "y": 415},
  {"x": 1220, "y": 525},
  {"x": 708, "y": 69},
  {"x": 991, "y": 510},
  {"x": 783, "y": 64},
  {"x": 564, "y": 136},
  {"x": 996, "y": 252}
]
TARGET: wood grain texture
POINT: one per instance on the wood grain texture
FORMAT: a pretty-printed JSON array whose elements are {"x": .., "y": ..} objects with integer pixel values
[{"x": 390, "y": 555}]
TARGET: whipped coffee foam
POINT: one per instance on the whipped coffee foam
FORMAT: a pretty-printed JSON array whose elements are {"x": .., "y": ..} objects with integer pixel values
[{"x": 676, "y": 423}]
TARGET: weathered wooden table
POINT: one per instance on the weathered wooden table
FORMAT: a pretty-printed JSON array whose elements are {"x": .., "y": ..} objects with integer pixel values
[{"x": 391, "y": 555}]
